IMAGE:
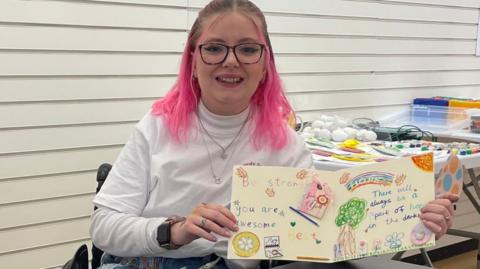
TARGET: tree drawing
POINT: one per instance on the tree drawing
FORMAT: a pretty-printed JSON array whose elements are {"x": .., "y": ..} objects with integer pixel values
[{"x": 349, "y": 217}]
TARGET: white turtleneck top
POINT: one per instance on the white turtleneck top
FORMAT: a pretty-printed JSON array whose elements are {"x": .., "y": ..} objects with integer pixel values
[{"x": 154, "y": 178}]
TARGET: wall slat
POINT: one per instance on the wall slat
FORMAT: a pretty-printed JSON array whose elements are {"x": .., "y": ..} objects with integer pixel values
[
  {"x": 42, "y": 114},
  {"x": 453, "y": 3},
  {"x": 332, "y": 64},
  {"x": 36, "y": 188},
  {"x": 47, "y": 257},
  {"x": 333, "y": 100},
  {"x": 367, "y": 9},
  {"x": 339, "y": 45},
  {"x": 177, "y": 3},
  {"x": 49, "y": 89},
  {"x": 88, "y": 14},
  {"x": 44, "y": 64},
  {"x": 46, "y": 211},
  {"x": 373, "y": 112},
  {"x": 339, "y": 26},
  {"x": 56, "y": 162},
  {"x": 66, "y": 137},
  {"x": 85, "y": 39},
  {"x": 361, "y": 81},
  {"x": 44, "y": 235}
]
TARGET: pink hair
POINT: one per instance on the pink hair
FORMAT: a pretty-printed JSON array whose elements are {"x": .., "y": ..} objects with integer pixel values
[{"x": 269, "y": 105}]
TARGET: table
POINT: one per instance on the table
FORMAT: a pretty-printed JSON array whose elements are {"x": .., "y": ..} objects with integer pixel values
[
  {"x": 365, "y": 263},
  {"x": 468, "y": 161}
]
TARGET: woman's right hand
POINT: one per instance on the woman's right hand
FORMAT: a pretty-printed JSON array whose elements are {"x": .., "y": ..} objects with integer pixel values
[{"x": 204, "y": 221}]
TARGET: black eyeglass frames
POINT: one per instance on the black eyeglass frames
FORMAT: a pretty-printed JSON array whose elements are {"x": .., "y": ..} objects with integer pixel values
[{"x": 245, "y": 53}]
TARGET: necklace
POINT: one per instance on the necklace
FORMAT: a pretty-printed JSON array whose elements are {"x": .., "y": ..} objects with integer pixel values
[{"x": 224, "y": 156}]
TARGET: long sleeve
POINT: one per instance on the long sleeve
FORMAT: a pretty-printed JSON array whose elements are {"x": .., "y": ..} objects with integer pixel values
[
  {"x": 117, "y": 226},
  {"x": 125, "y": 235}
]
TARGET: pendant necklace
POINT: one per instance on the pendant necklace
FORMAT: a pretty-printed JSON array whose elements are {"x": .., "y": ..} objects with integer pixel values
[{"x": 223, "y": 154}]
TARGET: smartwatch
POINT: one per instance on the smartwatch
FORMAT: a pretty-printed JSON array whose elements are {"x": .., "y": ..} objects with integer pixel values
[{"x": 164, "y": 232}]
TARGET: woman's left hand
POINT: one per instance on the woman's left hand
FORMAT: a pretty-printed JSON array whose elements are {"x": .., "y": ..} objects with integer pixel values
[{"x": 438, "y": 214}]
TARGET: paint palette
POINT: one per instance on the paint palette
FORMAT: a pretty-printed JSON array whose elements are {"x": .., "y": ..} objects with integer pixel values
[{"x": 450, "y": 177}]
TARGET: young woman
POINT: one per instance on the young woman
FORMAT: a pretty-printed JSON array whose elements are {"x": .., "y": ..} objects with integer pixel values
[{"x": 165, "y": 202}]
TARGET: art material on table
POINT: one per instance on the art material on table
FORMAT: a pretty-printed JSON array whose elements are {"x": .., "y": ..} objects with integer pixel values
[
  {"x": 352, "y": 151},
  {"x": 303, "y": 214}
]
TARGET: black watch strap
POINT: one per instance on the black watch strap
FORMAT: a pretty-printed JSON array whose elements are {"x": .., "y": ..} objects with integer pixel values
[{"x": 164, "y": 232}]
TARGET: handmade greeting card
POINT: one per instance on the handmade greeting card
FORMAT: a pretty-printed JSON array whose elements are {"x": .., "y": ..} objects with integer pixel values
[{"x": 310, "y": 215}]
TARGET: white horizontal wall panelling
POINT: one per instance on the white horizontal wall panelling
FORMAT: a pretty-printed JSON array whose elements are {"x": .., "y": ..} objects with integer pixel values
[
  {"x": 83, "y": 87},
  {"x": 340, "y": 26},
  {"x": 167, "y": 3},
  {"x": 47, "y": 187},
  {"x": 45, "y": 211},
  {"x": 358, "y": 98},
  {"x": 40, "y": 37},
  {"x": 351, "y": 112},
  {"x": 76, "y": 112},
  {"x": 380, "y": 80},
  {"x": 44, "y": 235},
  {"x": 75, "y": 78},
  {"x": 43, "y": 257},
  {"x": 446, "y": 3},
  {"x": 375, "y": 63},
  {"x": 99, "y": 14},
  {"x": 364, "y": 9},
  {"x": 86, "y": 64},
  {"x": 18, "y": 140},
  {"x": 56, "y": 162},
  {"x": 341, "y": 45}
]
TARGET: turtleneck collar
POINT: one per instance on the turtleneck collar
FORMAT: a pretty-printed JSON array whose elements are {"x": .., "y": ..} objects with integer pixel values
[{"x": 219, "y": 124}]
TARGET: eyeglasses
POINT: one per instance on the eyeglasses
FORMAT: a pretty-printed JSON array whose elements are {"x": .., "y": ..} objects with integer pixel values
[{"x": 215, "y": 53}]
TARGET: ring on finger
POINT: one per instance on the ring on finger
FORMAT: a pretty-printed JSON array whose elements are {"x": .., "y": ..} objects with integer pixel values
[{"x": 203, "y": 222}]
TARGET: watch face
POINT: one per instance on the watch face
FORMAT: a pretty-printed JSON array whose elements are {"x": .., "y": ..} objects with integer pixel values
[{"x": 163, "y": 234}]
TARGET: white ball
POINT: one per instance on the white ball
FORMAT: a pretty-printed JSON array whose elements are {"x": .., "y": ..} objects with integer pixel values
[
  {"x": 351, "y": 132},
  {"x": 361, "y": 135},
  {"x": 370, "y": 136},
  {"x": 307, "y": 135},
  {"x": 307, "y": 129},
  {"x": 330, "y": 125},
  {"x": 322, "y": 134},
  {"x": 342, "y": 123},
  {"x": 318, "y": 124},
  {"x": 327, "y": 118},
  {"x": 339, "y": 135}
]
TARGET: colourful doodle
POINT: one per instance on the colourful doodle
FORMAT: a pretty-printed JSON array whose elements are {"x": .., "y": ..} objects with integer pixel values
[
  {"x": 270, "y": 192},
  {"x": 400, "y": 179},
  {"x": 420, "y": 234},
  {"x": 349, "y": 217},
  {"x": 394, "y": 240},
  {"x": 369, "y": 178},
  {"x": 424, "y": 161},
  {"x": 245, "y": 244},
  {"x": 302, "y": 174},
  {"x": 272, "y": 246},
  {"x": 317, "y": 199},
  {"x": 450, "y": 178}
]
